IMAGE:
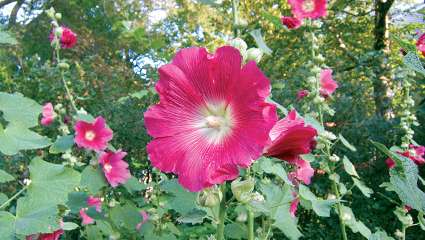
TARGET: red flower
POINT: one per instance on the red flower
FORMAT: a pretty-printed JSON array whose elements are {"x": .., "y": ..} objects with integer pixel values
[
  {"x": 302, "y": 94},
  {"x": 308, "y": 8},
  {"x": 48, "y": 114},
  {"x": 114, "y": 167},
  {"x": 415, "y": 154},
  {"x": 212, "y": 117},
  {"x": 46, "y": 236},
  {"x": 291, "y": 22},
  {"x": 327, "y": 84},
  {"x": 68, "y": 38},
  {"x": 420, "y": 44},
  {"x": 94, "y": 136},
  {"x": 290, "y": 138}
]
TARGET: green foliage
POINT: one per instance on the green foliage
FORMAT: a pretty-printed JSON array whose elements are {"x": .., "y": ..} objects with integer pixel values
[
  {"x": 62, "y": 144},
  {"x": 180, "y": 199},
  {"x": 93, "y": 179},
  {"x": 5, "y": 177}
]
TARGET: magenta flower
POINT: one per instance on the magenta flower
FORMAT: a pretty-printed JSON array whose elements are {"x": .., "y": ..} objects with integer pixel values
[
  {"x": 86, "y": 218},
  {"x": 94, "y": 136},
  {"x": 114, "y": 167},
  {"x": 416, "y": 154},
  {"x": 145, "y": 218},
  {"x": 291, "y": 22},
  {"x": 327, "y": 84},
  {"x": 308, "y": 8},
  {"x": 420, "y": 44},
  {"x": 46, "y": 236},
  {"x": 68, "y": 38},
  {"x": 302, "y": 94},
  {"x": 48, "y": 114},
  {"x": 95, "y": 202},
  {"x": 290, "y": 138},
  {"x": 294, "y": 206},
  {"x": 207, "y": 104}
]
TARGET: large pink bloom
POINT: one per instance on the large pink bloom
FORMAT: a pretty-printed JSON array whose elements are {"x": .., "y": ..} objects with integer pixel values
[
  {"x": 308, "y": 8},
  {"x": 114, "y": 167},
  {"x": 420, "y": 44},
  {"x": 48, "y": 114},
  {"x": 327, "y": 84},
  {"x": 417, "y": 156},
  {"x": 290, "y": 138},
  {"x": 68, "y": 38},
  {"x": 212, "y": 117},
  {"x": 291, "y": 22},
  {"x": 94, "y": 136}
]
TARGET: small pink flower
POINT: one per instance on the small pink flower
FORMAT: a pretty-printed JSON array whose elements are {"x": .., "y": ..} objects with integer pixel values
[
  {"x": 420, "y": 44},
  {"x": 327, "y": 84},
  {"x": 95, "y": 202},
  {"x": 390, "y": 163},
  {"x": 302, "y": 94},
  {"x": 68, "y": 38},
  {"x": 294, "y": 206},
  {"x": 94, "y": 135},
  {"x": 291, "y": 22},
  {"x": 290, "y": 138},
  {"x": 407, "y": 208},
  {"x": 86, "y": 219},
  {"x": 46, "y": 236},
  {"x": 212, "y": 117},
  {"x": 308, "y": 8},
  {"x": 48, "y": 114},
  {"x": 417, "y": 156},
  {"x": 114, "y": 167},
  {"x": 145, "y": 218}
]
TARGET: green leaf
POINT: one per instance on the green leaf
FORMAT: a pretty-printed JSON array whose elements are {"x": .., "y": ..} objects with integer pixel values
[
  {"x": 93, "y": 179},
  {"x": 346, "y": 143},
  {"x": 421, "y": 220},
  {"x": 62, "y": 144},
  {"x": 105, "y": 227},
  {"x": 321, "y": 207},
  {"x": 380, "y": 235},
  {"x": 3, "y": 198},
  {"x": 412, "y": 61},
  {"x": 51, "y": 183},
  {"x": 310, "y": 120},
  {"x": 7, "y": 226},
  {"x": 7, "y": 38},
  {"x": 349, "y": 167},
  {"x": 285, "y": 223},
  {"x": 93, "y": 232},
  {"x": 133, "y": 185},
  {"x": 235, "y": 231},
  {"x": 362, "y": 187},
  {"x": 404, "y": 44},
  {"x": 16, "y": 138},
  {"x": 126, "y": 216},
  {"x": 353, "y": 224},
  {"x": 76, "y": 201},
  {"x": 273, "y": 19},
  {"x": 403, "y": 216},
  {"x": 68, "y": 226},
  {"x": 193, "y": 217},
  {"x": 271, "y": 167},
  {"x": 19, "y": 110},
  {"x": 256, "y": 34},
  {"x": 181, "y": 200},
  {"x": 32, "y": 218},
  {"x": 5, "y": 177}
]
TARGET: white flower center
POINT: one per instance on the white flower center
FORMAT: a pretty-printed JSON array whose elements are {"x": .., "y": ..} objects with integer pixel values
[
  {"x": 107, "y": 167},
  {"x": 308, "y": 5},
  {"x": 90, "y": 135},
  {"x": 215, "y": 122}
]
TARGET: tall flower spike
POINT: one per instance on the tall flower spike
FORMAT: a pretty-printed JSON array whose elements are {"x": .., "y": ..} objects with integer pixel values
[
  {"x": 207, "y": 103},
  {"x": 308, "y": 8},
  {"x": 290, "y": 138},
  {"x": 67, "y": 39},
  {"x": 94, "y": 136}
]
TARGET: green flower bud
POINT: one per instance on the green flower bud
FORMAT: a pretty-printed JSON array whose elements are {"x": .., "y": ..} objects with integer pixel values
[
  {"x": 239, "y": 44},
  {"x": 209, "y": 197},
  {"x": 242, "y": 190},
  {"x": 51, "y": 12},
  {"x": 254, "y": 54},
  {"x": 63, "y": 65},
  {"x": 58, "y": 16},
  {"x": 240, "y": 23}
]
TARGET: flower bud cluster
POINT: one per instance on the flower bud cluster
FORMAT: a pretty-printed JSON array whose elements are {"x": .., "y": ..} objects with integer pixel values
[{"x": 254, "y": 54}]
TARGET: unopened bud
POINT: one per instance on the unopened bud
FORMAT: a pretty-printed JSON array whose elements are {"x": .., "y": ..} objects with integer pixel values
[
  {"x": 209, "y": 197},
  {"x": 242, "y": 190},
  {"x": 254, "y": 54},
  {"x": 239, "y": 44},
  {"x": 334, "y": 158},
  {"x": 240, "y": 22},
  {"x": 58, "y": 16},
  {"x": 51, "y": 12},
  {"x": 242, "y": 217},
  {"x": 63, "y": 65}
]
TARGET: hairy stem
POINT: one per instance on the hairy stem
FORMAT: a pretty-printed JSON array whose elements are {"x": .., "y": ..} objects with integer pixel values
[
  {"x": 251, "y": 235},
  {"x": 67, "y": 90},
  {"x": 221, "y": 214},
  {"x": 13, "y": 197}
]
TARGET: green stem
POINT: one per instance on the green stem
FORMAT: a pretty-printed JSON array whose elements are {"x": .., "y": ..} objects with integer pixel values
[
  {"x": 235, "y": 17},
  {"x": 403, "y": 230},
  {"x": 67, "y": 90},
  {"x": 340, "y": 214},
  {"x": 251, "y": 235},
  {"x": 221, "y": 214},
  {"x": 13, "y": 197}
]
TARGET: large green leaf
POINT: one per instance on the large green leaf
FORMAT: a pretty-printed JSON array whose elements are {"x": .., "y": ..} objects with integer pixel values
[
  {"x": 16, "y": 138},
  {"x": 349, "y": 167},
  {"x": 76, "y": 201},
  {"x": 32, "y": 218},
  {"x": 19, "y": 109},
  {"x": 62, "y": 144},
  {"x": 321, "y": 207},
  {"x": 126, "y": 216},
  {"x": 412, "y": 61},
  {"x": 5, "y": 177},
  {"x": 259, "y": 40},
  {"x": 7, "y": 38},
  {"x": 181, "y": 200},
  {"x": 276, "y": 168},
  {"x": 93, "y": 179},
  {"x": 355, "y": 225},
  {"x": 51, "y": 183},
  {"x": 235, "y": 231},
  {"x": 285, "y": 223},
  {"x": 362, "y": 187},
  {"x": 7, "y": 226}
]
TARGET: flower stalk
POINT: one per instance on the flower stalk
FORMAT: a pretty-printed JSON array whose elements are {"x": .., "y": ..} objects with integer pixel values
[
  {"x": 251, "y": 235},
  {"x": 14, "y": 196},
  {"x": 221, "y": 214}
]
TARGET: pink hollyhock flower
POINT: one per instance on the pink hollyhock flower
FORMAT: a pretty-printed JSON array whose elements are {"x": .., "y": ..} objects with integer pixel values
[
  {"x": 420, "y": 44},
  {"x": 291, "y": 22},
  {"x": 95, "y": 202},
  {"x": 390, "y": 163},
  {"x": 86, "y": 218},
  {"x": 68, "y": 38},
  {"x": 290, "y": 138},
  {"x": 94, "y": 135},
  {"x": 207, "y": 103},
  {"x": 308, "y": 8},
  {"x": 294, "y": 206},
  {"x": 46, "y": 236},
  {"x": 48, "y": 114},
  {"x": 302, "y": 94},
  {"x": 114, "y": 167},
  {"x": 416, "y": 154},
  {"x": 327, "y": 84},
  {"x": 145, "y": 218}
]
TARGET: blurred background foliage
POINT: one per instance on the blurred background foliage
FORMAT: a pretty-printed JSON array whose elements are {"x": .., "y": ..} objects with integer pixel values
[{"x": 121, "y": 43}]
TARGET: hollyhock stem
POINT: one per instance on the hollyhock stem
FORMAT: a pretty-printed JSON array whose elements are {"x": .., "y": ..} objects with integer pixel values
[
  {"x": 251, "y": 235},
  {"x": 13, "y": 197},
  {"x": 67, "y": 90},
  {"x": 221, "y": 214},
  {"x": 235, "y": 17}
]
